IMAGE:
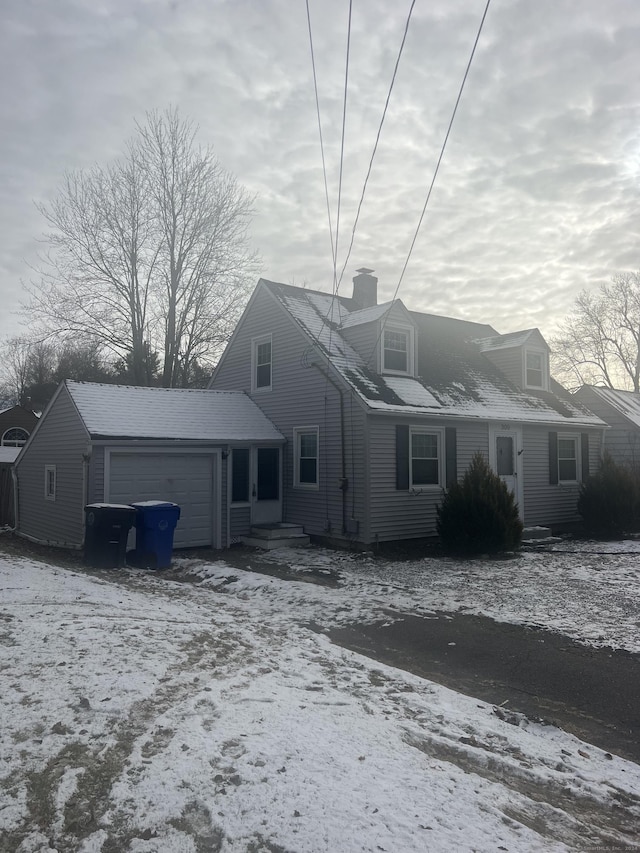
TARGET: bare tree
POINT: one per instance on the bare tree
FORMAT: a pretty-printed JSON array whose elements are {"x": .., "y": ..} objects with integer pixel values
[
  {"x": 15, "y": 369},
  {"x": 149, "y": 253},
  {"x": 599, "y": 343}
]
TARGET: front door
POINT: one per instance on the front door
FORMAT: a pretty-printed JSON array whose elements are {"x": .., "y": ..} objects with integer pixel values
[
  {"x": 266, "y": 489},
  {"x": 506, "y": 461}
]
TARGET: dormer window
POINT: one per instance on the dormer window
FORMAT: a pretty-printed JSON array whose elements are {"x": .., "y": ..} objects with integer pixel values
[
  {"x": 397, "y": 350},
  {"x": 535, "y": 369}
]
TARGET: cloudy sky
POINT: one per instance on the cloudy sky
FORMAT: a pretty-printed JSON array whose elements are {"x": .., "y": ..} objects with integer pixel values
[{"x": 538, "y": 195}]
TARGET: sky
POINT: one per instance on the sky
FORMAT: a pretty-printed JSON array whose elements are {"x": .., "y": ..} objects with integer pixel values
[{"x": 537, "y": 196}]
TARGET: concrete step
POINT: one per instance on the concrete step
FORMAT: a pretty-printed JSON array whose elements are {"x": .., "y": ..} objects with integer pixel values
[
  {"x": 279, "y": 530},
  {"x": 299, "y": 540}
]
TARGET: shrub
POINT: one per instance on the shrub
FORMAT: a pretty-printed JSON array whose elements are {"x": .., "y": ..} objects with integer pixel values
[
  {"x": 479, "y": 515},
  {"x": 608, "y": 501}
]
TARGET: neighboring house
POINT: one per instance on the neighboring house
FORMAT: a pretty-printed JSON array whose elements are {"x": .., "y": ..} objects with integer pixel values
[
  {"x": 118, "y": 444},
  {"x": 621, "y": 410},
  {"x": 16, "y": 424},
  {"x": 8, "y": 456},
  {"x": 383, "y": 408}
]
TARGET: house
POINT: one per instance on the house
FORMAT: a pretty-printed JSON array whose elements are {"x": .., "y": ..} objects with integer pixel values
[
  {"x": 118, "y": 444},
  {"x": 8, "y": 456},
  {"x": 621, "y": 410},
  {"x": 383, "y": 407},
  {"x": 16, "y": 424}
]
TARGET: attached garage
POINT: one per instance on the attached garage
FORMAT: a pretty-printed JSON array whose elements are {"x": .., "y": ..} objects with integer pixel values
[
  {"x": 187, "y": 479},
  {"x": 119, "y": 444}
]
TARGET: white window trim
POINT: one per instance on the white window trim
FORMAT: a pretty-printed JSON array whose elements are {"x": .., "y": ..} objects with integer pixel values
[
  {"x": 255, "y": 343},
  {"x": 409, "y": 331},
  {"x": 575, "y": 437},
  {"x": 545, "y": 369},
  {"x": 440, "y": 433},
  {"x": 297, "y": 432},
  {"x": 50, "y": 496}
]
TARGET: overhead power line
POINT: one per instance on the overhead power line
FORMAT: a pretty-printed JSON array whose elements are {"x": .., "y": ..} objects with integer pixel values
[
  {"x": 324, "y": 166},
  {"x": 433, "y": 179},
  {"x": 442, "y": 150},
  {"x": 375, "y": 146},
  {"x": 344, "y": 123}
]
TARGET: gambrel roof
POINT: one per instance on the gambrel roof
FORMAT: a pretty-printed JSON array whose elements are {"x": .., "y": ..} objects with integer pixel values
[{"x": 454, "y": 378}]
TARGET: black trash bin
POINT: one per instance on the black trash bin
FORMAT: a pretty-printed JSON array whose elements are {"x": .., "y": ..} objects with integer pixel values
[
  {"x": 155, "y": 524},
  {"x": 106, "y": 530}
]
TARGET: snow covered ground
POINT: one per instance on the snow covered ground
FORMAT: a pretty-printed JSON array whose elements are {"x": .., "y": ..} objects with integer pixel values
[{"x": 145, "y": 714}]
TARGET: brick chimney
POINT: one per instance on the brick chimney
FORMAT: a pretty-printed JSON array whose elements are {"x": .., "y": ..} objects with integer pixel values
[{"x": 365, "y": 288}]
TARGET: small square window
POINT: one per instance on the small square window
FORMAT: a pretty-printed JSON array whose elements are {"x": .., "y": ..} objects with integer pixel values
[{"x": 50, "y": 482}]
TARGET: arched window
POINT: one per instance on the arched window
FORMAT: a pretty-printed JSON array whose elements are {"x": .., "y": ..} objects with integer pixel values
[{"x": 14, "y": 437}]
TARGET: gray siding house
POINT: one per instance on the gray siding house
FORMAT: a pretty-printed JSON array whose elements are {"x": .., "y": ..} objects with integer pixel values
[
  {"x": 382, "y": 408},
  {"x": 117, "y": 444},
  {"x": 621, "y": 410}
]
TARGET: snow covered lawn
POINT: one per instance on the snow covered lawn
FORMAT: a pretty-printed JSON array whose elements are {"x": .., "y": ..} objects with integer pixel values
[{"x": 144, "y": 714}]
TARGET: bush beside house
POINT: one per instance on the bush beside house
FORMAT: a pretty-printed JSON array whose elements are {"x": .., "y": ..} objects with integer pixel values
[
  {"x": 479, "y": 515},
  {"x": 609, "y": 500}
]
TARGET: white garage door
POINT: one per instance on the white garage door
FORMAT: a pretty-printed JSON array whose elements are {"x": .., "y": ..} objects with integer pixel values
[{"x": 185, "y": 479}]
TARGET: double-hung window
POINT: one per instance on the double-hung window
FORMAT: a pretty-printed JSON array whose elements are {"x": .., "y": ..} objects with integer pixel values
[
  {"x": 567, "y": 458},
  {"x": 306, "y": 457},
  {"x": 397, "y": 350},
  {"x": 535, "y": 369},
  {"x": 425, "y": 459},
  {"x": 261, "y": 364}
]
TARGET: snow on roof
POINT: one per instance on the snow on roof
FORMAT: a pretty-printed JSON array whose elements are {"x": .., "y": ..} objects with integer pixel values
[
  {"x": 123, "y": 411},
  {"x": 626, "y": 402},
  {"x": 366, "y": 315},
  {"x": 9, "y": 454},
  {"x": 455, "y": 379},
  {"x": 508, "y": 341}
]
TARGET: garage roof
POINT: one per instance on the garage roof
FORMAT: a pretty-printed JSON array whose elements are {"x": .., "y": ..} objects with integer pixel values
[{"x": 123, "y": 411}]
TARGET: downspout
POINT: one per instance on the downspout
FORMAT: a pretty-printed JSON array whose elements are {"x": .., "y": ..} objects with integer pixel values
[
  {"x": 86, "y": 458},
  {"x": 344, "y": 481}
]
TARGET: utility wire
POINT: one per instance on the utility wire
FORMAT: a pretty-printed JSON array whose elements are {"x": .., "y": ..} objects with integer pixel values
[
  {"x": 433, "y": 180},
  {"x": 344, "y": 123},
  {"x": 324, "y": 166},
  {"x": 375, "y": 146}
]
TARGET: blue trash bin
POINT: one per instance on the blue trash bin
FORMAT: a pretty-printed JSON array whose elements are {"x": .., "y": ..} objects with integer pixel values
[{"x": 155, "y": 524}]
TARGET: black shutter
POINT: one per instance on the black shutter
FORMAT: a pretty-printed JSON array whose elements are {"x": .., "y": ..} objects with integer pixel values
[
  {"x": 584, "y": 446},
  {"x": 553, "y": 458},
  {"x": 451, "y": 457},
  {"x": 402, "y": 456}
]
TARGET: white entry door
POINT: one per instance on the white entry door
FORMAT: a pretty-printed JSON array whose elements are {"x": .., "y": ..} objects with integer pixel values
[
  {"x": 266, "y": 487},
  {"x": 505, "y": 457}
]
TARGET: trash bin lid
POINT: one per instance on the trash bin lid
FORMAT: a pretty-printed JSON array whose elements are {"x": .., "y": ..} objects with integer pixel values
[
  {"x": 153, "y": 504},
  {"x": 108, "y": 506}
]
